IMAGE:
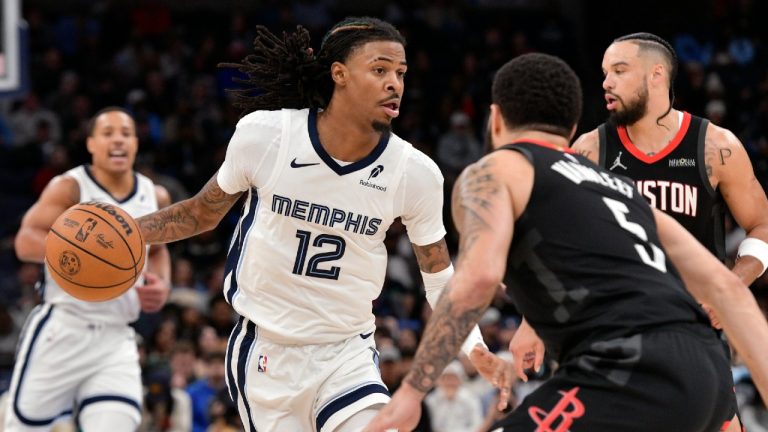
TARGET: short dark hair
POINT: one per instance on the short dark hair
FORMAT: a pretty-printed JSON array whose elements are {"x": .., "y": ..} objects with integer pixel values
[
  {"x": 284, "y": 73},
  {"x": 92, "y": 121},
  {"x": 539, "y": 92},
  {"x": 650, "y": 42}
]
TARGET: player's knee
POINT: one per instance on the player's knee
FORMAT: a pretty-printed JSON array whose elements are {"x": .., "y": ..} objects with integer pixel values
[
  {"x": 101, "y": 419},
  {"x": 359, "y": 420}
]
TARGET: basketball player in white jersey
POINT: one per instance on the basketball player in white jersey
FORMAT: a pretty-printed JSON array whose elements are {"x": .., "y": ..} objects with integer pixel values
[
  {"x": 324, "y": 178},
  {"x": 79, "y": 359}
]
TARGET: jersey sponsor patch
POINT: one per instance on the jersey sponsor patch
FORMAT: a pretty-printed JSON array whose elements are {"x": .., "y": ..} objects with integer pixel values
[{"x": 682, "y": 162}]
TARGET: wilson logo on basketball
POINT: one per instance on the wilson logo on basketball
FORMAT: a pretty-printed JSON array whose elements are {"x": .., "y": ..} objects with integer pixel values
[
  {"x": 110, "y": 209},
  {"x": 69, "y": 263}
]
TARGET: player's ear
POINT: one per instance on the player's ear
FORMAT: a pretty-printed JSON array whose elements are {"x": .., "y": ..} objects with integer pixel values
[
  {"x": 339, "y": 73},
  {"x": 658, "y": 74},
  {"x": 573, "y": 132},
  {"x": 496, "y": 121},
  {"x": 89, "y": 143}
]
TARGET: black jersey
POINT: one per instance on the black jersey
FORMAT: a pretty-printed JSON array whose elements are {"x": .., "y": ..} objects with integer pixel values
[
  {"x": 674, "y": 180},
  {"x": 585, "y": 263}
]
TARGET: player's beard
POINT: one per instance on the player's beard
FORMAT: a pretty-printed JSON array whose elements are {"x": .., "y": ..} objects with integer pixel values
[
  {"x": 633, "y": 111},
  {"x": 381, "y": 127}
]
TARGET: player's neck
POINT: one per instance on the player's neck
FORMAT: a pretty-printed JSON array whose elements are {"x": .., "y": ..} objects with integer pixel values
[
  {"x": 510, "y": 136},
  {"x": 120, "y": 185},
  {"x": 651, "y": 134},
  {"x": 345, "y": 139}
]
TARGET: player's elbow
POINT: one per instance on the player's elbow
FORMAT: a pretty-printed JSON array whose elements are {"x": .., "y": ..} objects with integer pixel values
[
  {"x": 27, "y": 248},
  {"x": 481, "y": 285},
  {"x": 722, "y": 287}
]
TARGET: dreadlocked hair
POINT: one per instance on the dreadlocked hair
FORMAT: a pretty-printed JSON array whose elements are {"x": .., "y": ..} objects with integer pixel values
[
  {"x": 284, "y": 73},
  {"x": 651, "y": 42},
  {"x": 281, "y": 73}
]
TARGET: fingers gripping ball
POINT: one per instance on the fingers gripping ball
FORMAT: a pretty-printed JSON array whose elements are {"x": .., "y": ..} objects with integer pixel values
[{"x": 95, "y": 251}]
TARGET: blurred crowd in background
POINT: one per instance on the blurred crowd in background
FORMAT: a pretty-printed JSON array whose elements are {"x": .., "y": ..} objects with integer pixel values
[{"x": 159, "y": 60}]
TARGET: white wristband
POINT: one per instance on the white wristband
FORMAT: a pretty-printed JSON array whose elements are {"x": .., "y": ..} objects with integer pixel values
[
  {"x": 754, "y": 248},
  {"x": 434, "y": 284}
]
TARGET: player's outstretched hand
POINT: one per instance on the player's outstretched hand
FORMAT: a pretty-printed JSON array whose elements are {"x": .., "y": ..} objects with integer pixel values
[
  {"x": 527, "y": 350},
  {"x": 402, "y": 413},
  {"x": 153, "y": 293},
  {"x": 495, "y": 370}
]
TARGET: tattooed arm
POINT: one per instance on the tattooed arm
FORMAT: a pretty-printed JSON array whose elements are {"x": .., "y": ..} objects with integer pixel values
[
  {"x": 482, "y": 210},
  {"x": 190, "y": 217},
  {"x": 730, "y": 170},
  {"x": 588, "y": 145}
]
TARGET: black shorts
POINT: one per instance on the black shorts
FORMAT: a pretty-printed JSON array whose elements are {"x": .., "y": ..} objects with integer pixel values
[{"x": 674, "y": 379}]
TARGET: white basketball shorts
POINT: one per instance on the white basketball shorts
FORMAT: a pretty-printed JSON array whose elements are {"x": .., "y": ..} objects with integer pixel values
[
  {"x": 301, "y": 387},
  {"x": 66, "y": 364}
]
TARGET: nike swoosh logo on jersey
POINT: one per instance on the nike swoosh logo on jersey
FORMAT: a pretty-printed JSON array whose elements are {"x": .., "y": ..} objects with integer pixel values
[
  {"x": 366, "y": 335},
  {"x": 302, "y": 165}
]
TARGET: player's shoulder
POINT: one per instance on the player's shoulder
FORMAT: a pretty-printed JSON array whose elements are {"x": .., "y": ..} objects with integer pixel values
[
  {"x": 721, "y": 137},
  {"x": 587, "y": 144},
  {"x": 417, "y": 162},
  {"x": 271, "y": 119},
  {"x": 63, "y": 188},
  {"x": 504, "y": 161}
]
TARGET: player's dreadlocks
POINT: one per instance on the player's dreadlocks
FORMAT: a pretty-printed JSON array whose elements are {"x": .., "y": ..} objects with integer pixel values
[
  {"x": 651, "y": 42},
  {"x": 285, "y": 73}
]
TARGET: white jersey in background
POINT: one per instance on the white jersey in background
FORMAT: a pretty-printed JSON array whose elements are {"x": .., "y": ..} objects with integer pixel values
[
  {"x": 308, "y": 257},
  {"x": 124, "y": 309}
]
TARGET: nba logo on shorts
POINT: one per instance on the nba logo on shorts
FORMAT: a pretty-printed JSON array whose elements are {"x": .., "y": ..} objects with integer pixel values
[{"x": 262, "y": 366}]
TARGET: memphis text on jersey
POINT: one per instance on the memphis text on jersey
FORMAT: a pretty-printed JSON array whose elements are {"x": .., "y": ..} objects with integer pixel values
[{"x": 326, "y": 216}]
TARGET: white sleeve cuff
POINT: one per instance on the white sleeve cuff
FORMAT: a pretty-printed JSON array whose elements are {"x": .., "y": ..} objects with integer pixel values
[
  {"x": 756, "y": 248},
  {"x": 434, "y": 284}
]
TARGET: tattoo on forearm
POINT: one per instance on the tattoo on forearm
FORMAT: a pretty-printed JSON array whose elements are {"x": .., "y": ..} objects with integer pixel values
[
  {"x": 169, "y": 224},
  {"x": 445, "y": 333},
  {"x": 216, "y": 200},
  {"x": 433, "y": 257},
  {"x": 472, "y": 201},
  {"x": 179, "y": 221}
]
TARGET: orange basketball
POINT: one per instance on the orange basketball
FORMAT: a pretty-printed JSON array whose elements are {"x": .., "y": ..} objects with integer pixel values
[{"x": 95, "y": 251}]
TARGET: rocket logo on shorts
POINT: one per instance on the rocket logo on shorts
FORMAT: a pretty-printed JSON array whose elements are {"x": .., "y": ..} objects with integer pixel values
[
  {"x": 561, "y": 417},
  {"x": 262, "y": 365}
]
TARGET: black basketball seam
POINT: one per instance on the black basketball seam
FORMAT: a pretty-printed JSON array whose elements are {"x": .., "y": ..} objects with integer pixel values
[
  {"x": 88, "y": 252},
  {"x": 135, "y": 261},
  {"x": 51, "y": 267}
]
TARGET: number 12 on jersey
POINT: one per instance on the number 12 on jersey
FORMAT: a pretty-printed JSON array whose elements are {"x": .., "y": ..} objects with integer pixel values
[{"x": 312, "y": 268}]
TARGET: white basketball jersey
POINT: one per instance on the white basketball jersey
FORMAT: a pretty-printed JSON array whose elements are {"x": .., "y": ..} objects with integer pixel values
[
  {"x": 308, "y": 257},
  {"x": 123, "y": 309}
]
